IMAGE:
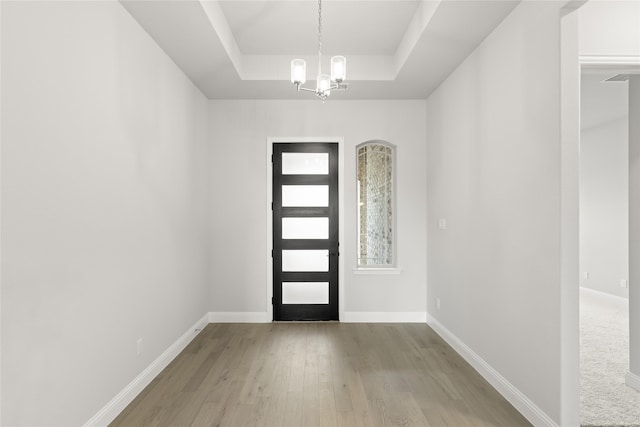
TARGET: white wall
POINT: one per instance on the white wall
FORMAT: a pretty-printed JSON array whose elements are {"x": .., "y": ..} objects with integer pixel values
[
  {"x": 239, "y": 130},
  {"x": 104, "y": 208},
  {"x": 610, "y": 28},
  {"x": 1, "y": 133},
  {"x": 604, "y": 184},
  {"x": 634, "y": 228},
  {"x": 493, "y": 172}
]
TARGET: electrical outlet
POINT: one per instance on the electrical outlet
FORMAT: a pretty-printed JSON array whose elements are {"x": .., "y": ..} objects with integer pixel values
[
  {"x": 438, "y": 303},
  {"x": 140, "y": 346},
  {"x": 442, "y": 224},
  {"x": 624, "y": 283}
]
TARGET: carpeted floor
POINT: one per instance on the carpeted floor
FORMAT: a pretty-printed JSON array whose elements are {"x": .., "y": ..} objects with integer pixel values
[{"x": 605, "y": 399}]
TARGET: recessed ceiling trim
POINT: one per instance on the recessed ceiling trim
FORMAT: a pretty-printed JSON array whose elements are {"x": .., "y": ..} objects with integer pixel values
[
  {"x": 275, "y": 67},
  {"x": 220, "y": 25},
  {"x": 618, "y": 78},
  {"x": 419, "y": 23}
]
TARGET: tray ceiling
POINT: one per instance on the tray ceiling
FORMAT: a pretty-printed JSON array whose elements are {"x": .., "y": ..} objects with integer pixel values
[{"x": 395, "y": 49}]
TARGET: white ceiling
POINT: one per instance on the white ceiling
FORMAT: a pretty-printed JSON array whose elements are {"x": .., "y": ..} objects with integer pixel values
[
  {"x": 241, "y": 49},
  {"x": 290, "y": 28}
]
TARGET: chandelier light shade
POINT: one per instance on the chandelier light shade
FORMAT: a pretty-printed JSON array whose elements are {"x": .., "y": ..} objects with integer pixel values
[
  {"x": 298, "y": 71},
  {"x": 324, "y": 82},
  {"x": 338, "y": 68}
]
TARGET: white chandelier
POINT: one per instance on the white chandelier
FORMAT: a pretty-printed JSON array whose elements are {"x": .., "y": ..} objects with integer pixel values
[{"x": 324, "y": 82}]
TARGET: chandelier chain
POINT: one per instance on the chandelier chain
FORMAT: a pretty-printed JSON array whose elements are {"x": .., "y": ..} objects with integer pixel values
[{"x": 319, "y": 37}]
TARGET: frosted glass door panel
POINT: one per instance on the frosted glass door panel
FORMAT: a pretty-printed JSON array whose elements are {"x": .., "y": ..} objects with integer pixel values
[
  {"x": 305, "y": 163},
  {"x": 305, "y": 228},
  {"x": 305, "y": 260},
  {"x": 305, "y": 292},
  {"x": 305, "y": 195}
]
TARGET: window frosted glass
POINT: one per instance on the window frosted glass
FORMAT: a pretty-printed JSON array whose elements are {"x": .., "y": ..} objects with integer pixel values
[
  {"x": 375, "y": 205},
  {"x": 305, "y": 260},
  {"x": 305, "y": 195},
  {"x": 305, "y": 228},
  {"x": 305, "y": 292},
  {"x": 305, "y": 163}
]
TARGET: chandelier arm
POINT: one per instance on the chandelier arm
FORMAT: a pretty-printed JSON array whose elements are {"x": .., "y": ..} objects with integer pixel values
[{"x": 306, "y": 89}]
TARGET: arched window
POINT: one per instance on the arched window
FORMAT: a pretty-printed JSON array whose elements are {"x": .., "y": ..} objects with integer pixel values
[{"x": 376, "y": 205}]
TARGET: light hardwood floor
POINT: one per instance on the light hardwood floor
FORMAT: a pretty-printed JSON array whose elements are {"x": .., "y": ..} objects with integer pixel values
[{"x": 319, "y": 374}]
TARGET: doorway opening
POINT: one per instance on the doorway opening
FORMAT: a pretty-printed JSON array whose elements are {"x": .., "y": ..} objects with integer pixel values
[
  {"x": 304, "y": 214},
  {"x": 604, "y": 251}
]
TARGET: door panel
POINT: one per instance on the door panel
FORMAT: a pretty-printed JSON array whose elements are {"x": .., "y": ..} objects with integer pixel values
[
  {"x": 305, "y": 231},
  {"x": 305, "y": 260},
  {"x": 305, "y": 228},
  {"x": 305, "y": 292},
  {"x": 305, "y": 196},
  {"x": 305, "y": 163}
]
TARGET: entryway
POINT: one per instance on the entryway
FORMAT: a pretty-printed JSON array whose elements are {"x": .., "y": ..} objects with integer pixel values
[{"x": 305, "y": 231}]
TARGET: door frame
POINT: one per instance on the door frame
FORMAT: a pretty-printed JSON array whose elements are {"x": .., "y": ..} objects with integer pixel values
[
  {"x": 269, "y": 180},
  {"x": 571, "y": 66}
]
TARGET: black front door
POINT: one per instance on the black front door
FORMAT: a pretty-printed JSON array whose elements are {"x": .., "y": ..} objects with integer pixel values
[{"x": 305, "y": 231}]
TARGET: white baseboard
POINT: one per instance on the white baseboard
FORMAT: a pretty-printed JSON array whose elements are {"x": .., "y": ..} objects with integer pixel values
[
  {"x": 522, "y": 403},
  {"x": 606, "y": 296},
  {"x": 384, "y": 317},
  {"x": 112, "y": 409},
  {"x": 347, "y": 317},
  {"x": 239, "y": 317},
  {"x": 632, "y": 380}
]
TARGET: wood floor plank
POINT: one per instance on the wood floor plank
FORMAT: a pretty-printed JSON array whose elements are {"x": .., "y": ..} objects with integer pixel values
[
  {"x": 341, "y": 391},
  {"x": 319, "y": 374},
  {"x": 277, "y": 410},
  {"x": 311, "y": 390},
  {"x": 228, "y": 413},
  {"x": 293, "y": 409},
  {"x": 327, "y": 405}
]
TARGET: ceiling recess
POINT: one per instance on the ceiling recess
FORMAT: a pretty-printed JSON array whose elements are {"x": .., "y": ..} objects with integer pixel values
[{"x": 618, "y": 78}]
